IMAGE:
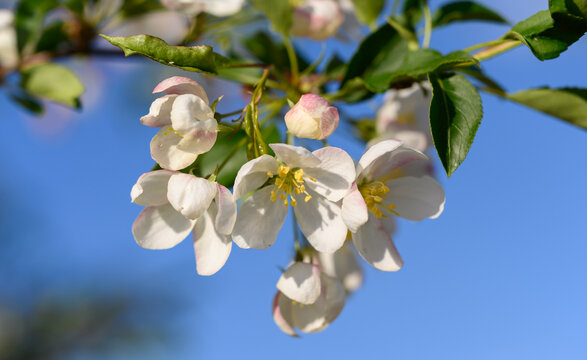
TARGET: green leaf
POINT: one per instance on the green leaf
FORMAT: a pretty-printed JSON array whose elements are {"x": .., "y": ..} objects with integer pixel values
[
  {"x": 193, "y": 58},
  {"x": 131, "y": 8},
  {"x": 244, "y": 75},
  {"x": 417, "y": 64},
  {"x": 381, "y": 52},
  {"x": 368, "y": 11},
  {"x": 53, "y": 37},
  {"x": 335, "y": 67},
  {"x": 231, "y": 146},
  {"x": 464, "y": 11},
  {"x": 29, "y": 22},
  {"x": 77, "y": 6},
  {"x": 53, "y": 82},
  {"x": 408, "y": 34},
  {"x": 569, "y": 104},
  {"x": 483, "y": 78},
  {"x": 455, "y": 115},
  {"x": 269, "y": 51},
  {"x": 543, "y": 36},
  {"x": 279, "y": 13},
  {"x": 571, "y": 12},
  {"x": 29, "y": 103},
  {"x": 411, "y": 13}
]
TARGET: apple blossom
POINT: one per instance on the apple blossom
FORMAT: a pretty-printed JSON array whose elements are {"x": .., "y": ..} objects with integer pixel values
[
  {"x": 350, "y": 25},
  {"x": 177, "y": 204},
  {"x": 168, "y": 25},
  {"x": 215, "y": 7},
  {"x": 344, "y": 266},
  {"x": 8, "y": 49},
  {"x": 187, "y": 123},
  {"x": 317, "y": 19},
  {"x": 307, "y": 299},
  {"x": 388, "y": 183},
  {"x": 404, "y": 116},
  {"x": 311, "y": 182},
  {"x": 312, "y": 118}
]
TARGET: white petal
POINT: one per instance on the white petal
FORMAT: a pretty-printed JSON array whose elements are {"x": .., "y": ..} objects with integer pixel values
[
  {"x": 181, "y": 85},
  {"x": 301, "y": 282},
  {"x": 187, "y": 111},
  {"x": 165, "y": 152},
  {"x": 200, "y": 138},
  {"x": 335, "y": 296},
  {"x": 383, "y": 158},
  {"x": 223, "y": 8},
  {"x": 151, "y": 188},
  {"x": 374, "y": 244},
  {"x": 212, "y": 248},
  {"x": 159, "y": 112},
  {"x": 259, "y": 220},
  {"x": 344, "y": 266},
  {"x": 295, "y": 156},
  {"x": 253, "y": 174},
  {"x": 354, "y": 209},
  {"x": 282, "y": 314},
  {"x": 316, "y": 317},
  {"x": 321, "y": 222},
  {"x": 226, "y": 216},
  {"x": 334, "y": 175},
  {"x": 416, "y": 198},
  {"x": 161, "y": 227},
  {"x": 190, "y": 195},
  {"x": 415, "y": 139}
]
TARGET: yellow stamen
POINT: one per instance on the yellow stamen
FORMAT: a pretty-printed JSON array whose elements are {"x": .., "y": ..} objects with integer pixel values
[
  {"x": 298, "y": 175},
  {"x": 171, "y": 131},
  {"x": 373, "y": 193},
  {"x": 288, "y": 182}
]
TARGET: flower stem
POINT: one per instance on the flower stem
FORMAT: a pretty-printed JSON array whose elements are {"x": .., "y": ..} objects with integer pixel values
[
  {"x": 295, "y": 231},
  {"x": 427, "y": 25},
  {"x": 485, "y": 44},
  {"x": 293, "y": 60},
  {"x": 496, "y": 50}
]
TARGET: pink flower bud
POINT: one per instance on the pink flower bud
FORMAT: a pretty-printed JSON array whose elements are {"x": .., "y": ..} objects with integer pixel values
[
  {"x": 312, "y": 118},
  {"x": 317, "y": 19}
]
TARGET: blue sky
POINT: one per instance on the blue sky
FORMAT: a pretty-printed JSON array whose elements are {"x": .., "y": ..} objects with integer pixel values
[{"x": 500, "y": 275}]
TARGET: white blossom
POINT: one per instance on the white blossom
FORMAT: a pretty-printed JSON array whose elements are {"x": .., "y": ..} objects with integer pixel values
[
  {"x": 404, "y": 116},
  {"x": 311, "y": 182},
  {"x": 388, "y": 184},
  {"x": 8, "y": 48},
  {"x": 317, "y": 19},
  {"x": 187, "y": 123},
  {"x": 307, "y": 299},
  {"x": 214, "y": 7},
  {"x": 177, "y": 204},
  {"x": 344, "y": 266}
]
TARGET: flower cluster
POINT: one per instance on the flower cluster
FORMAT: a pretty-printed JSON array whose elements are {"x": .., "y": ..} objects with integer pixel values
[{"x": 336, "y": 203}]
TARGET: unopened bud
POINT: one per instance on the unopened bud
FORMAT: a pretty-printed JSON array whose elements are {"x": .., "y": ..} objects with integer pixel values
[
  {"x": 317, "y": 19},
  {"x": 312, "y": 118}
]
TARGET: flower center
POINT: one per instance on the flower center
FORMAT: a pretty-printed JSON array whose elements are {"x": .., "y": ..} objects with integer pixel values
[
  {"x": 407, "y": 118},
  {"x": 289, "y": 181},
  {"x": 374, "y": 193},
  {"x": 170, "y": 130}
]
